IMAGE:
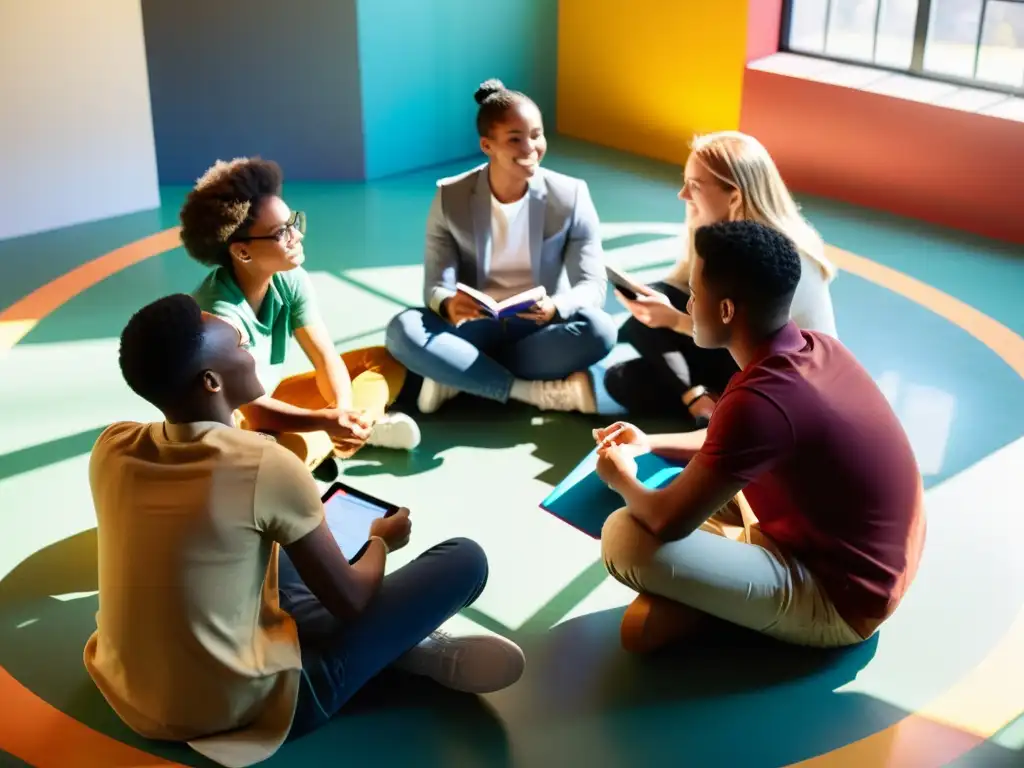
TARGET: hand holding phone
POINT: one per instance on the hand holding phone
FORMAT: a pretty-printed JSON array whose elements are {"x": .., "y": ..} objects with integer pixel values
[{"x": 625, "y": 285}]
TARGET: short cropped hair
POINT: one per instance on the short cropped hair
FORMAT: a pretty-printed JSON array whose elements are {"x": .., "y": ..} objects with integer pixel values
[
  {"x": 495, "y": 100},
  {"x": 160, "y": 348},
  {"x": 223, "y": 205},
  {"x": 750, "y": 263}
]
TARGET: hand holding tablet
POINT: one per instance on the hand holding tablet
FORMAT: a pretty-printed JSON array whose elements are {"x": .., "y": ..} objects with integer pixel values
[
  {"x": 354, "y": 516},
  {"x": 394, "y": 529}
]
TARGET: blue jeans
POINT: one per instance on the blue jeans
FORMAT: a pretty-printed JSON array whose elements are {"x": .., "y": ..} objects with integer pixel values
[
  {"x": 484, "y": 357},
  {"x": 338, "y": 658}
]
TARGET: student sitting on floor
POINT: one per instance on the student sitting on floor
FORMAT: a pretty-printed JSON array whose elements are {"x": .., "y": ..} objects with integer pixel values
[
  {"x": 228, "y": 616},
  {"x": 235, "y": 221},
  {"x": 729, "y": 176},
  {"x": 504, "y": 228},
  {"x": 825, "y": 538}
]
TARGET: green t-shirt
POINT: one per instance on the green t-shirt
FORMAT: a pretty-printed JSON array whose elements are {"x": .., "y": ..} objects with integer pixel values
[{"x": 289, "y": 304}]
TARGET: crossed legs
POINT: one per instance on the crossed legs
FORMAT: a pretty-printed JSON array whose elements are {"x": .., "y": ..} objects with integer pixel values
[
  {"x": 725, "y": 570},
  {"x": 489, "y": 358},
  {"x": 377, "y": 380}
]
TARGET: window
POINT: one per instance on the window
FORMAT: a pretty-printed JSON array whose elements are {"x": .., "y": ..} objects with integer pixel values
[{"x": 970, "y": 42}]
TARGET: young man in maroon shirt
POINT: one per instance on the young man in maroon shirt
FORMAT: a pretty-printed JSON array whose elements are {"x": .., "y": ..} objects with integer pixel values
[{"x": 799, "y": 513}]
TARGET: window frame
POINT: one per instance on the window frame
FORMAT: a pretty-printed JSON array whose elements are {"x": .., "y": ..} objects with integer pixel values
[{"x": 916, "y": 68}]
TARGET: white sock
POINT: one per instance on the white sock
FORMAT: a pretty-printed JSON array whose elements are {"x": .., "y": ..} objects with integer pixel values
[{"x": 521, "y": 391}]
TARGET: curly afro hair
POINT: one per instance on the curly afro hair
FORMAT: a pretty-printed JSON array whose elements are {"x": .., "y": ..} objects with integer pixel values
[
  {"x": 223, "y": 205},
  {"x": 160, "y": 348},
  {"x": 750, "y": 263},
  {"x": 495, "y": 100}
]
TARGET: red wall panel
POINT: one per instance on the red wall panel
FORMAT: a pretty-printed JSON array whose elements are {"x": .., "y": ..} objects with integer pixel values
[{"x": 940, "y": 165}]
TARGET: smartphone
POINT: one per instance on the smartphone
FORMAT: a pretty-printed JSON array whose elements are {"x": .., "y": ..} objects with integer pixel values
[
  {"x": 349, "y": 513},
  {"x": 620, "y": 281}
]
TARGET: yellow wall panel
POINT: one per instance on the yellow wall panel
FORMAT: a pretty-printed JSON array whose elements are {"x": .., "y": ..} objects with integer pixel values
[{"x": 645, "y": 75}]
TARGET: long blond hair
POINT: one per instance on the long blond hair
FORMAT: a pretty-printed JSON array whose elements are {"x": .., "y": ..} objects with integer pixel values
[{"x": 741, "y": 162}]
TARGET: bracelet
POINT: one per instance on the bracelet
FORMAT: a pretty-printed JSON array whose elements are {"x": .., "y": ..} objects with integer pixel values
[
  {"x": 387, "y": 549},
  {"x": 695, "y": 394}
]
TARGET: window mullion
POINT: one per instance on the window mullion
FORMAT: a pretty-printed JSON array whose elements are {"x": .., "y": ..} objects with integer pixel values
[
  {"x": 874, "y": 39},
  {"x": 977, "y": 38},
  {"x": 924, "y": 14}
]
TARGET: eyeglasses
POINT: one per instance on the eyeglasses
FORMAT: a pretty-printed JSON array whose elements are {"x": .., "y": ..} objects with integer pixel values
[{"x": 297, "y": 223}]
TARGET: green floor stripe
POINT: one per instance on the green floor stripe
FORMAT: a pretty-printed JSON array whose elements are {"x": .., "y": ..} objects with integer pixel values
[{"x": 574, "y": 593}]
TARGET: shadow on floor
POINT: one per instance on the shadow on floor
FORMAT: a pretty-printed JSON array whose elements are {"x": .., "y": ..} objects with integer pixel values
[
  {"x": 41, "y": 643},
  {"x": 729, "y": 699},
  {"x": 65, "y": 567},
  {"x": 561, "y": 439}
]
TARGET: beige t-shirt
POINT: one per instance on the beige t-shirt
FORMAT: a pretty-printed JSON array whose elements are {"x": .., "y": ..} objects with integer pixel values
[{"x": 191, "y": 642}]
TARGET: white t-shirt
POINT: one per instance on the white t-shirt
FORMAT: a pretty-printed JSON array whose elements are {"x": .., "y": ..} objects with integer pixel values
[
  {"x": 511, "y": 270},
  {"x": 812, "y": 307}
]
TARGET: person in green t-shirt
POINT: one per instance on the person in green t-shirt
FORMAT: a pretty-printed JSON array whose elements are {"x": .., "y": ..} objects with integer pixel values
[{"x": 235, "y": 221}]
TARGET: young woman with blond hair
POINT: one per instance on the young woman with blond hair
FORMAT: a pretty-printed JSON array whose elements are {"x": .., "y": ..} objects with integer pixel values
[{"x": 729, "y": 176}]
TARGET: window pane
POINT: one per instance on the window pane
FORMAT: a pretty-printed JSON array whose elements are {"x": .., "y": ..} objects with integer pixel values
[
  {"x": 807, "y": 25},
  {"x": 1002, "y": 44},
  {"x": 895, "y": 45},
  {"x": 952, "y": 34},
  {"x": 851, "y": 29}
]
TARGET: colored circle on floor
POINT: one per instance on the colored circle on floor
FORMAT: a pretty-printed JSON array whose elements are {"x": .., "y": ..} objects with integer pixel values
[{"x": 839, "y": 699}]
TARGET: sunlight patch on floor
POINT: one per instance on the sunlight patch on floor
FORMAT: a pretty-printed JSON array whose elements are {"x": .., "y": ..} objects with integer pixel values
[
  {"x": 532, "y": 554},
  {"x": 962, "y": 565}
]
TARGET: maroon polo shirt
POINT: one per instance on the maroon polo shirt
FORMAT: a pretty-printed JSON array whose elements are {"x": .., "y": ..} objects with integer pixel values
[{"x": 828, "y": 470}]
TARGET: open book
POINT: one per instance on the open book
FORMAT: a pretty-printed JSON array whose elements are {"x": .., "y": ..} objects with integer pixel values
[
  {"x": 513, "y": 305},
  {"x": 627, "y": 286}
]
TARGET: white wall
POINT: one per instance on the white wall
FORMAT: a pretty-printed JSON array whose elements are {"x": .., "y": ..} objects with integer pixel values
[{"x": 76, "y": 132}]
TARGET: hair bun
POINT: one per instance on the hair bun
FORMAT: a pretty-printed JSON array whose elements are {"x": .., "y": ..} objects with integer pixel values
[{"x": 487, "y": 89}]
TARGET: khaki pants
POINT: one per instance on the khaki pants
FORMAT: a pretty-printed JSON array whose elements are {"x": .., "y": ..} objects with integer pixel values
[
  {"x": 730, "y": 570},
  {"x": 377, "y": 379}
]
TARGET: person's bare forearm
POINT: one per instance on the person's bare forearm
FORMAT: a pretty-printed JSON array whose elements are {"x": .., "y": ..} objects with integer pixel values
[
  {"x": 681, "y": 446},
  {"x": 344, "y": 590},
  {"x": 638, "y": 499},
  {"x": 334, "y": 383},
  {"x": 268, "y": 414},
  {"x": 332, "y": 377},
  {"x": 369, "y": 572}
]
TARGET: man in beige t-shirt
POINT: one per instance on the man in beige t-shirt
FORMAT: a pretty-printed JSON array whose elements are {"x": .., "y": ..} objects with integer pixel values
[{"x": 219, "y": 580}]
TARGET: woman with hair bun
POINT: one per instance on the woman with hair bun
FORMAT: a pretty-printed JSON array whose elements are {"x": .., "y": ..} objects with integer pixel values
[{"x": 505, "y": 228}]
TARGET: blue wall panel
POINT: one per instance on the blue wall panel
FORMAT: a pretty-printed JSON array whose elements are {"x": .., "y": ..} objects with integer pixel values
[
  {"x": 421, "y": 61},
  {"x": 246, "y": 77}
]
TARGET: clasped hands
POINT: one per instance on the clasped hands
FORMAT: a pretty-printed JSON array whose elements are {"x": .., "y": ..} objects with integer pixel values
[
  {"x": 348, "y": 429},
  {"x": 461, "y": 308},
  {"x": 617, "y": 449}
]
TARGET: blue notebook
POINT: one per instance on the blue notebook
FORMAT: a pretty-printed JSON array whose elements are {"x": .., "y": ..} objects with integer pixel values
[{"x": 584, "y": 501}]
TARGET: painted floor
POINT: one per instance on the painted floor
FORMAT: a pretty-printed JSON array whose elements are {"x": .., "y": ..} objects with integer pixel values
[{"x": 935, "y": 316}]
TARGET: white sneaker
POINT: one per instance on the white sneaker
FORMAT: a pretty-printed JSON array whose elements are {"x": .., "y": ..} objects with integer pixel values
[
  {"x": 434, "y": 395},
  {"x": 572, "y": 394},
  {"x": 473, "y": 664},
  {"x": 395, "y": 430}
]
